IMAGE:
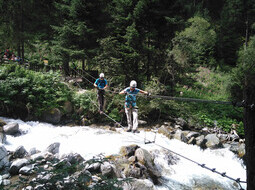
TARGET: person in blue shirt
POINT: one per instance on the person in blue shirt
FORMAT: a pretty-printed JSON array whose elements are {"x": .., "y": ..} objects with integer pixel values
[
  {"x": 101, "y": 85},
  {"x": 130, "y": 105}
]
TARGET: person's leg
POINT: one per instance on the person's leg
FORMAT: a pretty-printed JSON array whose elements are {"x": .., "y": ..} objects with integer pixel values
[
  {"x": 129, "y": 118},
  {"x": 102, "y": 101},
  {"x": 135, "y": 118},
  {"x": 99, "y": 98}
]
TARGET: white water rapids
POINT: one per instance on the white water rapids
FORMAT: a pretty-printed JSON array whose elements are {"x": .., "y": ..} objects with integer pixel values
[{"x": 89, "y": 142}]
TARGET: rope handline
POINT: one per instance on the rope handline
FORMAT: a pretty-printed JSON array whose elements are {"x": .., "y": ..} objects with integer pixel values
[
  {"x": 237, "y": 104},
  {"x": 83, "y": 77},
  {"x": 88, "y": 74},
  {"x": 223, "y": 174},
  {"x": 95, "y": 104}
]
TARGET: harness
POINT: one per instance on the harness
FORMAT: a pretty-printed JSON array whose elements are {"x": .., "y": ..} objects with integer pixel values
[
  {"x": 101, "y": 82},
  {"x": 130, "y": 100}
]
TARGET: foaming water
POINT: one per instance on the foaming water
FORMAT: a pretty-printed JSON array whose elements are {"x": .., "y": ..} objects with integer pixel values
[{"x": 90, "y": 142}]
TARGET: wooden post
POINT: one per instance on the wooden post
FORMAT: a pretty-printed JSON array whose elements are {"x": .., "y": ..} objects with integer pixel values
[{"x": 249, "y": 128}]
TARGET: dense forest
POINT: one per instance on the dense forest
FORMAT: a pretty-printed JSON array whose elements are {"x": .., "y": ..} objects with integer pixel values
[
  {"x": 203, "y": 49},
  {"x": 200, "y": 48}
]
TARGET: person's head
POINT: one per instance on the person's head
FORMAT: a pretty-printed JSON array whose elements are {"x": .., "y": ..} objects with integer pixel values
[
  {"x": 101, "y": 76},
  {"x": 133, "y": 84}
]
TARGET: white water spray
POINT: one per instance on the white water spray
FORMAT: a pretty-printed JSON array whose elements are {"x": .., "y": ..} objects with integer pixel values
[{"x": 89, "y": 142}]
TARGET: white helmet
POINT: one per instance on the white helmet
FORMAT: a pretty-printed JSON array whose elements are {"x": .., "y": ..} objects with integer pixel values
[
  {"x": 133, "y": 83},
  {"x": 101, "y": 75}
]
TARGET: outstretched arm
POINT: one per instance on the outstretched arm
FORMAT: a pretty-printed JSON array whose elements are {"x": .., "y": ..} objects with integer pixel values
[
  {"x": 122, "y": 92},
  {"x": 144, "y": 92}
]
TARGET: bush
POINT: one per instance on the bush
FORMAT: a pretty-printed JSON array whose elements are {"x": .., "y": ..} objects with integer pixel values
[{"x": 34, "y": 92}]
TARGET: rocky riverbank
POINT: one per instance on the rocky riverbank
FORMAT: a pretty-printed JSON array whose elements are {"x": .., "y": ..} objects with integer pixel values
[{"x": 133, "y": 168}]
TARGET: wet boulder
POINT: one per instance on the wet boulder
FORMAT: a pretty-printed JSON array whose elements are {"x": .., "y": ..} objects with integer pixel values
[
  {"x": 17, "y": 164},
  {"x": 146, "y": 159},
  {"x": 212, "y": 141},
  {"x": 53, "y": 148},
  {"x": 27, "y": 170},
  {"x": 108, "y": 170},
  {"x": 4, "y": 161},
  {"x": 128, "y": 150},
  {"x": 20, "y": 152},
  {"x": 11, "y": 129},
  {"x": 165, "y": 130},
  {"x": 2, "y": 123},
  {"x": 200, "y": 141},
  {"x": 2, "y": 136},
  {"x": 180, "y": 135},
  {"x": 52, "y": 116}
]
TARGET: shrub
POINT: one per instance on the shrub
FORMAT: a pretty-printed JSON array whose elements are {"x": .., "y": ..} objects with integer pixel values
[{"x": 33, "y": 91}]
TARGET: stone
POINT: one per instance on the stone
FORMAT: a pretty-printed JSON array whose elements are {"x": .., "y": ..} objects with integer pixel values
[
  {"x": 17, "y": 164},
  {"x": 2, "y": 123},
  {"x": 33, "y": 151},
  {"x": 179, "y": 135},
  {"x": 26, "y": 170},
  {"x": 192, "y": 134},
  {"x": 6, "y": 182},
  {"x": 164, "y": 130},
  {"x": 132, "y": 159},
  {"x": 20, "y": 152},
  {"x": 52, "y": 116},
  {"x": 241, "y": 150},
  {"x": 200, "y": 141},
  {"x": 95, "y": 167},
  {"x": 2, "y": 137},
  {"x": 53, "y": 148},
  {"x": 4, "y": 161},
  {"x": 146, "y": 159},
  {"x": 74, "y": 158},
  {"x": 11, "y": 129},
  {"x": 192, "y": 140},
  {"x": 107, "y": 170},
  {"x": 128, "y": 150},
  {"x": 212, "y": 141}
]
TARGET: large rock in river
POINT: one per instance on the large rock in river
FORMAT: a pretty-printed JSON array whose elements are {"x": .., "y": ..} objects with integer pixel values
[{"x": 52, "y": 116}]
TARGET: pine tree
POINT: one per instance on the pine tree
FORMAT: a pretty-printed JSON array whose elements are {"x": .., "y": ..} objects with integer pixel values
[{"x": 81, "y": 24}]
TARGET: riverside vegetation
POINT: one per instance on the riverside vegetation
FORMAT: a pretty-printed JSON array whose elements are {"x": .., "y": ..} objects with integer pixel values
[{"x": 28, "y": 94}]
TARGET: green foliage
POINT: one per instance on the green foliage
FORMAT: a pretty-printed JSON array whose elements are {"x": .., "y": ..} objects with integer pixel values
[
  {"x": 35, "y": 92},
  {"x": 243, "y": 70},
  {"x": 230, "y": 34},
  {"x": 195, "y": 44}
]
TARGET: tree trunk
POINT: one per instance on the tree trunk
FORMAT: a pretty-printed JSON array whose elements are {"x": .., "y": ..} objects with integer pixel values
[
  {"x": 22, "y": 33},
  {"x": 18, "y": 49},
  {"x": 83, "y": 64},
  {"x": 249, "y": 127},
  {"x": 66, "y": 64}
]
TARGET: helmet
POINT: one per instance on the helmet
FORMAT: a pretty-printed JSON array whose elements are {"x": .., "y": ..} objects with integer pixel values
[
  {"x": 101, "y": 75},
  {"x": 133, "y": 83}
]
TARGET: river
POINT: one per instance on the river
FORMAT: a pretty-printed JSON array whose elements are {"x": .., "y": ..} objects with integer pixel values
[{"x": 89, "y": 142}]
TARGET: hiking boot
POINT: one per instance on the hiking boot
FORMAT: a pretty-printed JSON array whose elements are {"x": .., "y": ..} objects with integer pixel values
[
  {"x": 129, "y": 130},
  {"x": 135, "y": 131}
]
